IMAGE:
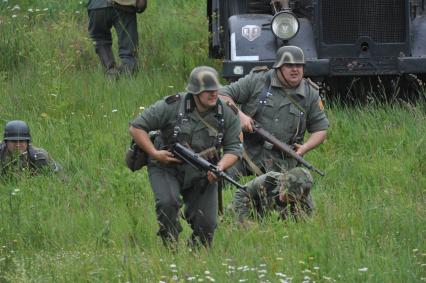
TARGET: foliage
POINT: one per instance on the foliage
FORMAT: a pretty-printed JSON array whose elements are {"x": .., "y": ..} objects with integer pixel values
[{"x": 96, "y": 221}]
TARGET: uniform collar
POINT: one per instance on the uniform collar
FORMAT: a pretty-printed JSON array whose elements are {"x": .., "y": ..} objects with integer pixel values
[{"x": 275, "y": 82}]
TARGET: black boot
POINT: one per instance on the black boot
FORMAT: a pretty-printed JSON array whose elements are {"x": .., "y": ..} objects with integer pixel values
[{"x": 108, "y": 62}]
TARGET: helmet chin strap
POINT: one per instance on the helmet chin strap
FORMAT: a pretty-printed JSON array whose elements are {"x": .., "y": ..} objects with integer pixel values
[{"x": 282, "y": 78}]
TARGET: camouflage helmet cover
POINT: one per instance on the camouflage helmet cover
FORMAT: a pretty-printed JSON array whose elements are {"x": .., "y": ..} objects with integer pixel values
[
  {"x": 16, "y": 130},
  {"x": 201, "y": 79},
  {"x": 297, "y": 182},
  {"x": 289, "y": 55}
]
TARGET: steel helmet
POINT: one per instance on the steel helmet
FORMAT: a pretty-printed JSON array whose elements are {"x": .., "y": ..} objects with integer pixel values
[
  {"x": 289, "y": 55},
  {"x": 297, "y": 182},
  {"x": 201, "y": 79},
  {"x": 16, "y": 130}
]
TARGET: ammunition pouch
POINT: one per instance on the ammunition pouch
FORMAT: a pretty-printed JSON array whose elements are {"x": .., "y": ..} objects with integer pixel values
[{"x": 135, "y": 157}]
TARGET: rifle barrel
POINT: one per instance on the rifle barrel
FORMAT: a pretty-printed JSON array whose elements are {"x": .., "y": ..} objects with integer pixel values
[{"x": 283, "y": 147}]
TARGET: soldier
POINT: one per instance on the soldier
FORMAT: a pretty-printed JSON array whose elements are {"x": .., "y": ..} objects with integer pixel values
[
  {"x": 282, "y": 102},
  {"x": 198, "y": 119},
  {"x": 288, "y": 193},
  {"x": 103, "y": 15},
  {"x": 17, "y": 153}
]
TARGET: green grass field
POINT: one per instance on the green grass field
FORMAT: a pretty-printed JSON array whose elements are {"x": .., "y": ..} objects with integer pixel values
[{"x": 96, "y": 223}]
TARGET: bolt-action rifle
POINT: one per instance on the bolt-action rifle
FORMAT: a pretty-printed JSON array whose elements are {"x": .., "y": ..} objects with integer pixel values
[
  {"x": 195, "y": 160},
  {"x": 283, "y": 147}
]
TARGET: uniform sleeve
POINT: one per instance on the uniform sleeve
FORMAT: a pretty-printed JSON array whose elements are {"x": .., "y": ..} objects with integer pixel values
[
  {"x": 156, "y": 117},
  {"x": 42, "y": 160},
  {"x": 231, "y": 138},
  {"x": 316, "y": 120},
  {"x": 241, "y": 90}
]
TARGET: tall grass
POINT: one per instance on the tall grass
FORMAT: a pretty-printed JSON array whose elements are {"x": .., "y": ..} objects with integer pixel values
[{"x": 96, "y": 221}]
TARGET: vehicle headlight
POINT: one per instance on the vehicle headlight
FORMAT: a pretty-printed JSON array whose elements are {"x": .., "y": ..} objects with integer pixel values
[{"x": 285, "y": 25}]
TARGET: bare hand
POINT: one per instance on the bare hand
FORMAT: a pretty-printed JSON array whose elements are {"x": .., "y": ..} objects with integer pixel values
[
  {"x": 212, "y": 177},
  {"x": 165, "y": 157},
  {"x": 299, "y": 148},
  {"x": 246, "y": 122}
]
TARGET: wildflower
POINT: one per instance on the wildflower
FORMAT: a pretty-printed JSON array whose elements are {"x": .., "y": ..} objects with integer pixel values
[
  {"x": 211, "y": 279},
  {"x": 175, "y": 278},
  {"x": 279, "y": 258},
  {"x": 77, "y": 12},
  {"x": 316, "y": 267},
  {"x": 141, "y": 108},
  {"x": 191, "y": 278},
  {"x": 170, "y": 86},
  {"x": 13, "y": 16},
  {"x": 30, "y": 10},
  {"x": 364, "y": 269},
  {"x": 17, "y": 190},
  {"x": 45, "y": 9},
  {"x": 16, "y": 7},
  {"x": 242, "y": 280},
  {"x": 44, "y": 115},
  {"x": 52, "y": 94},
  {"x": 114, "y": 110},
  {"x": 207, "y": 272},
  {"x": 285, "y": 237},
  {"x": 171, "y": 265},
  {"x": 37, "y": 10},
  {"x": 5, "y": 1}
]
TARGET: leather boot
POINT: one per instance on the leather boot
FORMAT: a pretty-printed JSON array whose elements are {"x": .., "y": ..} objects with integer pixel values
[{"x": 108, "y": 62}]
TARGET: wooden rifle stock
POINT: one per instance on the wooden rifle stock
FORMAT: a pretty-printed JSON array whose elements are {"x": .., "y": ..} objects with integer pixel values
[{"x": 283, "y": 147}]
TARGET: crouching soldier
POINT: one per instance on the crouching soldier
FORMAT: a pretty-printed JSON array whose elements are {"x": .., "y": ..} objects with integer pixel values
[
  {"x": 287, "y": 193},
  {"x": 17, "y": 154}
]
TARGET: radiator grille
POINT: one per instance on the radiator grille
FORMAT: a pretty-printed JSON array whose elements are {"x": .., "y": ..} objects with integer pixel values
[{"x": 343, "y": 22}]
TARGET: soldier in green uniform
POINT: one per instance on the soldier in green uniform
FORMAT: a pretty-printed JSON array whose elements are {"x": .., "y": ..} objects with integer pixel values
[
  {"x": 282, "y": 102},
  {"x": 103, "y": 15},
  {"x": 17, "y": 154},
  {"x": 285, "y": 104},
  {"x": 287, "y": 193},
  {"x": 198, "y": 119}
]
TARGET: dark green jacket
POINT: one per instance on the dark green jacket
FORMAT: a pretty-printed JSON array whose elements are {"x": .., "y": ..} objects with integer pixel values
[
  {"x": 98, "y": 4},
  {"x": 34, "y": 159},
  {"x": 286, "y": 118},
  {"x": 163, "y": 116}
]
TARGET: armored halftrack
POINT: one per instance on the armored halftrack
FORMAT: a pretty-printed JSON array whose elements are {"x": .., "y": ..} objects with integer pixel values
[{"x": 344, "y": 41}]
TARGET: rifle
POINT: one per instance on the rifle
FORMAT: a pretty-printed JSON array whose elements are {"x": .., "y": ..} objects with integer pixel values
[
  {"x": 283, "y": 147},
  {"x": 195, "y": 160}
]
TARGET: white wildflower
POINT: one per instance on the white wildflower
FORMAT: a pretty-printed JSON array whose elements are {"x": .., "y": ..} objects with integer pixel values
[
  {"x": 16, "y": 7},
  {"x": 37, "y": 10},
  {"x": 114, "y": 110},
  {"x": 364, "y": 269},
  {"x": 211, "y": 279},
  {"x": 171, "y": 265},
  {"x": 30, "y": 10},
  {"x": 207, "y": 272},
  {"x": 14, "y": 16},
  {"x": 45, "y": 9}
]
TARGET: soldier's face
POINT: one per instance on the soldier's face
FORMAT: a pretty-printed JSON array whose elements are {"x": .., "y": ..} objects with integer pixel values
[
  {"x": 292, "y": 73},
  {"x": 207, "y": 99},
  {"x": 17, "y": 146}
]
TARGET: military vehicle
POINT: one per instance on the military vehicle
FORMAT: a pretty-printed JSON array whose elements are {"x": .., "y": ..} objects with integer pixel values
[{"x": 349, "y": 46}]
